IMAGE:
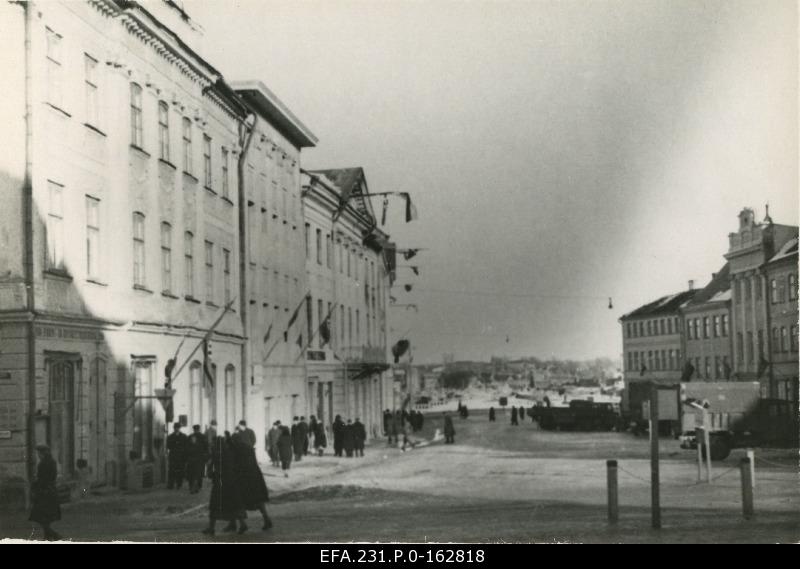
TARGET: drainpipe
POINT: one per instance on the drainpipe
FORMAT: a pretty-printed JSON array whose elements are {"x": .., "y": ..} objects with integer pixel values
[
  {"x": 28, "y": 212},
  {"x": 243, "y": 252}
]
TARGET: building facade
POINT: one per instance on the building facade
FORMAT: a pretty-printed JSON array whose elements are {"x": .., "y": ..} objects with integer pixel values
[
  {"x": 274, "y": 274},
  {"x": 750, "y": 249},
  {"x": 707, "y": 326},
  {"x": 349, "y": 271}
]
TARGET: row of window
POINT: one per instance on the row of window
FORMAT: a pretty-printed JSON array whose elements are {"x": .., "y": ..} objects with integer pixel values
[
  {"x": 349, "y": 258},
  {"x": 657, "y": 327},
  {"x": 703, "y": 369},
  {"x": 167, "y": 284},
  {"x": 654, "y": 360},
  {"x": 749, "y": 346},
  {"x": 778, "y": 288},
  {"x": 707, "y": 327},
  {"x": 341, "y": 325}
]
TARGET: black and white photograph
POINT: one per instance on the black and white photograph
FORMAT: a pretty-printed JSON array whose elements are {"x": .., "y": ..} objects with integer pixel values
[{"x": 401, "y": 280}]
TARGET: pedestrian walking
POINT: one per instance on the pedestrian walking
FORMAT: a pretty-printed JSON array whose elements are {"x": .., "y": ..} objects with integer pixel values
[
  {"x": 465, "y": 412},
  {"x": 320, "y": 439},
  {"x": 272, "y": 443},
  {"x": 297, "y": 439},
  {"x": 176, "y": 457},
  {"x": 521, "y": 414},
  {"x": 514, "y": 416},
  {"x": 225, "y": 502},
  {"x": 196, "y": 459},
  {"x": 285, "y": 450},
  {"x": 312, "y": 432},
  {"x": 303, "y": 426},
  {"x": 491, "y": 415},
  {"x": 360, "y": 435},
  {"x": 387, "y": 419},
  {"x": 393, "y": 428},
  {"x": 338, "y": 435},
  {"x": 211, "y": 442},
  {"x": 449, "y": 429},
  {"x": 249, "y": 479},
  {"x": 349, "y": 439},
  {"x": 45, "y": 508}
]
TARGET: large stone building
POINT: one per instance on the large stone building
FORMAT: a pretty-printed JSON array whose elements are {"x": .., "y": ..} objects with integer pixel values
[
  {"x": 755, "y": 340},
  {"x": 350, "y": 266},
  {"x": 274, "y": 274},
  {"x": 150, "y": 212},
  {"x": 707, "y": 326},
  {"x": 780, "y": 275}
]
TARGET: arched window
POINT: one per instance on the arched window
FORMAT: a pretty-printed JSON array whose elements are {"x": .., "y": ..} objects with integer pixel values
[{"x": 230, "y": 396}]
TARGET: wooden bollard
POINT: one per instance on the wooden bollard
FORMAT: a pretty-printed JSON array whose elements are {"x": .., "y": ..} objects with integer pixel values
[
  {"x": 613, "y": 495},
  {"x": 747, "y": 489}
]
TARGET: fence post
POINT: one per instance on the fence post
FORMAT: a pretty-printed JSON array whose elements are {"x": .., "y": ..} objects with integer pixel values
[
  {"x": 655, "y": 481},
  {"x": 747, "y": 489},
  {"x": 752, "y": 456},
  {"x": 613, "y": 496}
]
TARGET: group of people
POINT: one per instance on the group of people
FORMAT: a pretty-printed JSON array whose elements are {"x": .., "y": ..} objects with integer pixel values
[
  {"x": 517, "y": 415},
  {"x": 189, "y": 456},
  {"x": 348, "y": 437},
  {"x": 285, "y": 444}
]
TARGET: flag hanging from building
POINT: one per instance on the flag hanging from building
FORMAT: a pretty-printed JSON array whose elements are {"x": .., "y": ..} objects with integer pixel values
[
  {"x": 400, "y": 348},
  {"x": 206, "y": 370},
  {"x": 415, "y": 269},
  {"x": 411, "y": 210},
  {"x": 267, "y": 335},
  {"x": 763, "y": 364},
  {"x": 325, "y": 333},
  {"x": 688, "y": 372},
  {"x": 410, "y": 253},
  {"x": 385, "y": 207}
]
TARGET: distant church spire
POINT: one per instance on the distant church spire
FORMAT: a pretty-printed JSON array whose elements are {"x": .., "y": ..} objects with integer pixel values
[{"x": 767, "y": 218}]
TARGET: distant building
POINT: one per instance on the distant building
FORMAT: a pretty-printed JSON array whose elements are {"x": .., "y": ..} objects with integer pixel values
[
  {"x": 708, "y": 335},
  {"x": 781, "y": 277},
  {"x": 652, "y": 340},
  {"x": 757, "y": 297}
]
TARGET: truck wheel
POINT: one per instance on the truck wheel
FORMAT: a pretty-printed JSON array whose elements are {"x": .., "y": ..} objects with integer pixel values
[{"x": 720, "y": 448}]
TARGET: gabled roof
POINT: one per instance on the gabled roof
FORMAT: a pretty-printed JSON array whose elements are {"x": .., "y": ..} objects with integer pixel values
[
  {"x": 716, "y": 289},
  {"x": 789, "y": 249},
  {"x": 665, "y": 305},
  {"x": 352, "y": 182}
]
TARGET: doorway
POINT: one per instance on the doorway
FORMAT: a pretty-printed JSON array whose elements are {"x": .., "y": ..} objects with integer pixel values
[{"x": 62, "y": 373}]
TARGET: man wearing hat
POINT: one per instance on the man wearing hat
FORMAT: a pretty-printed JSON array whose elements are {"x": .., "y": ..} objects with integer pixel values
[
  {"x": 44, "y": 497},
  {"x": 177, "y": 445}
]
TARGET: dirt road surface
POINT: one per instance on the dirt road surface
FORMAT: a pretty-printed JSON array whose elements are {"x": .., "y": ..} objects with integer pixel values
[{"x": 498, "y": 483}]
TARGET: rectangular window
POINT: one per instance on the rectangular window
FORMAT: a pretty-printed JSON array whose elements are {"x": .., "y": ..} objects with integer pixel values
[
  {"x": 91, "y": 84},
  {"x": 54, "y": 69},
  {"x": 773, "y": 289},
  {"x": 358, "y": 327},
  {"x": 226, "y": 267},
  {"x": 672, "y": 359},
  {"x": 349, "y": 326},
  {"x": 725, "y": 325},
  {"x": 225, "y": 189},
  {"x": 776, "y": 340},
  {"x": 792, "y": 287},
  {"x": 793, "y": 338},
  {"x": 707, "y": 368},
  {"x": 137, "y": 136},
  {"x": 689, "y": 331},
  {"x": 662, "y": 327},
  {"x": 677, "y": 359},
  {"x": 328, "y": 251},
  {"x": 138, "y": 250},
  {"x": 166, "y": 257},
  {"x": 341, "y": 324},
  {"x": 209, "y": 271},
  {"x": 349, "y": 258},
  {"x": 669, "y": 325},
  {"x": 207, "y": 161},
  {"x": 716, "y": 327},
  {"x": 92, "y": 237},
  {"x": 308, "y": 240},
  {"x": 784, "y": 339},
  {"x": 319, "y": 246},
  {"x": 320, "y": 320},
  {"x": 163, "y": 130},
  {"x": 705, "y": 327},
  {"x": 188, "y": 161},
  {"x": 188, "y": 261}
]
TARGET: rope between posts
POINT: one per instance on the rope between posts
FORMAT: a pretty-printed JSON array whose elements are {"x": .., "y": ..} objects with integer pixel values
[
  {"x": 774, "y": 463},
  {"x": 631, "y": 474},
  {"x": 724, "y": 473}
]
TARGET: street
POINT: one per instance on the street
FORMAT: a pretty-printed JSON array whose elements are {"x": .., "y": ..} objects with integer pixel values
[{"x": 498, "y": 483}]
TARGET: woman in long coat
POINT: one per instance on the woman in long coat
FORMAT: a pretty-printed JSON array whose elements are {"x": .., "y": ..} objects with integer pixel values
[
  {"x": 338, "y": 435},
  {"x": 250, "y": 480},
  {"x": 44, "y": 496},
  {"x": 349, "y": 439},
  {"x": 285, "y": 449},
  {"x": 449, "y": 429},
  {"x": 320, "y": 438},
  {"x": 226, "y": 501}
]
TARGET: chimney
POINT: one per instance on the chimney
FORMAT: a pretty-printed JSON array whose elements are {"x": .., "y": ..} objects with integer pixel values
[
  {"x": 691, "y": 285},
  {"x": 713, "y": 276}
]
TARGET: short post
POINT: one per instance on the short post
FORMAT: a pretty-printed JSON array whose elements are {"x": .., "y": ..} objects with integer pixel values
[
  {"x": 613, "y": 496},
  {"x": 655, "y": 480},
  {"x": 707, "y": 440},
  {"x": 698, "y": 437},
  {"x": 752, "y": 456},
  {"x": 747, "y": 489}
]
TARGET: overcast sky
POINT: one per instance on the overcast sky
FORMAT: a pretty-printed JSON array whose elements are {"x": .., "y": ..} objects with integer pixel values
[{"x": 559, "y": 153}]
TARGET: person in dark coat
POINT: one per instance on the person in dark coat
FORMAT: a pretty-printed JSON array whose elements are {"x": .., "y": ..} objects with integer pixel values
[
  {"x": 45, "y": 508},
  {"x": 360, "y": 435},
  {"x": 249, "y": 479},
  {"x": 272, "y": 443},
  {"x": 226, "y": 501},
  {"x": 387, "y": 419},
  {"x": 303, "y": 426},
  {"x": 211, "y": 441},
  {"x": 465, "y": 411},
  {"x": 285, "y": 450},
  {"x": 349, "y": 439},
  {"x": 320, "y": 438},
  {"x": 514, "y": 416},
  {"x": 177, "y": 444},
  {"x": 196, "y": 459},
  {"x": 449, "y": 429},
  {"x": 491, "y": 414},
  {"x": 297, "y": 440},
  {"x": 312, "y": 433},
  {"x": 338, "y": 435},
  {"x": 521, "y": 414},
  {"x": 393, "y": 428},
  {"x": 248, "y": 434}
]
